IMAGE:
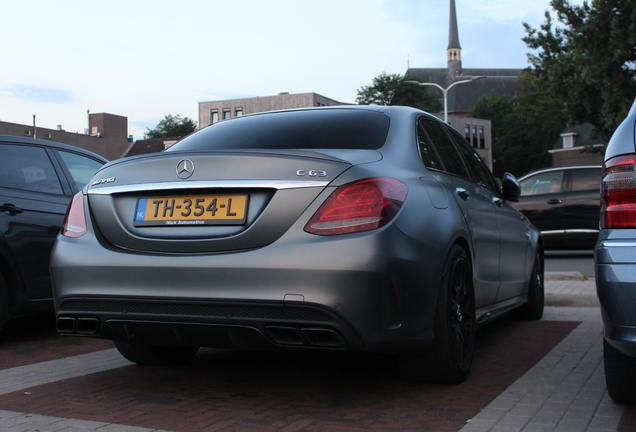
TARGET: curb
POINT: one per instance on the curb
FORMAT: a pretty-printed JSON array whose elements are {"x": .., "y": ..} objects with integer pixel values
[
  {"x": 566, "y": 276},
  {"x": 571, "y": 300}
]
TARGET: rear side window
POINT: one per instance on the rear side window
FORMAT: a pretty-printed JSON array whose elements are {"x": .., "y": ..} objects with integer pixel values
[
  {"x": 478, "y": 168},
  {"x": 586, "y": 179},
  {"x": 435, "y": 137},
  {"x": 428, "y": 153},
  {"x": 28, "y": 168},
  {"x": 303, "y": 129},
  {"x": 81, "y": 167}
]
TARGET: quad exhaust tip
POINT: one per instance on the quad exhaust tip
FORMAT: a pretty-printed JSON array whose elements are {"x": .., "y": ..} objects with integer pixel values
[
  {"x": 81, "y": 326},
  {"x": 318, "y": 337}
]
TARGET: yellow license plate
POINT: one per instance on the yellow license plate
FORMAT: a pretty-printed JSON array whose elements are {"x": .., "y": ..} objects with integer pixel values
[{"x": 191, "y": 210}]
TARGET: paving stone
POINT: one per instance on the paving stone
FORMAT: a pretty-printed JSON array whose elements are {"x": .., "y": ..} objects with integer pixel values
[{"x": 564, "y": 392}]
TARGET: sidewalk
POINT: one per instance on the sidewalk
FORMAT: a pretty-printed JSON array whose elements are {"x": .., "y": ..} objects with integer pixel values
[
  {"x": 565, "y": 391},
  {"x": 570, "y": 289}
]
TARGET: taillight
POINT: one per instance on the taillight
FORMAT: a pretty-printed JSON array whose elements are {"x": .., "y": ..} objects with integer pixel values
[
  {"x": 618, "y": 193},
  {"x": 74, "y": 222},
  {"x": 359, "y": 206}
]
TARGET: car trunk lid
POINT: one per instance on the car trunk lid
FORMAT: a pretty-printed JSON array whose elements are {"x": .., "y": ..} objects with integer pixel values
[{"x": 207, "y": 202}]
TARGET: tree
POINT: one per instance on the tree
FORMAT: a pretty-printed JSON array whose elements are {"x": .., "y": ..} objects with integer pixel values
[
  {"x": 497, "y": 109},
  {"x": 172, "y": 127},
  {"x": 523, "y": 128},
  {"x": 391, "y": 90},
  {"x": 590, "y": 60}
]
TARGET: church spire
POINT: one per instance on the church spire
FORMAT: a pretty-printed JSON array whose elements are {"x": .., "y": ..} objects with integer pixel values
[{"x": 454, "y": 50}]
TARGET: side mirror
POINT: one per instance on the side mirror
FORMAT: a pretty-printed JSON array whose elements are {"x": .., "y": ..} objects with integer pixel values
[{"x": 510, "y": 188}]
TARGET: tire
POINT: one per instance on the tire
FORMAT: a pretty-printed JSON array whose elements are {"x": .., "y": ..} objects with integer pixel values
[
  {"x": 4, "y": 301},
  {"x": 620, "y": 375},
  {"x": 155, "y": 355},
  {"x": 533, "y": 308},
  {"x": 449, "y": 358}
]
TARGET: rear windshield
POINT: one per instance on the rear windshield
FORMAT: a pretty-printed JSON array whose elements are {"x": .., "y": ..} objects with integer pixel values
[{"x": 308, "y": 129}]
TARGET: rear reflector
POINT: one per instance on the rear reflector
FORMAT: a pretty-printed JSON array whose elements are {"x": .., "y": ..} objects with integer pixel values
[
  {"x": 618, "y": 193},
  {"x": 359, "y": 206},
  {"x": 74, "y": 222}
]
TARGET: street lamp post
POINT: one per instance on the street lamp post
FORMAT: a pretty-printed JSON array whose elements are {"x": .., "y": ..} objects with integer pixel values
[{"x": 445, "y": 90}]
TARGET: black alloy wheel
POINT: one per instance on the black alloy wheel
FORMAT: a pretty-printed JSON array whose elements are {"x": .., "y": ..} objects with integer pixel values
[
  {"x": 4, "y": 301},
  {"x": 533, "y": 308},
  {"x": 620, "y": 375},
  {"x": 461, "y": 314},
  {"x": 449, "y": 358}
]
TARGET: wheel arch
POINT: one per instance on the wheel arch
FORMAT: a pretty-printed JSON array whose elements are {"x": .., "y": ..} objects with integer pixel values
[
  {"x": 464, "y": 244},
  {"x": 540, "y": 250}
]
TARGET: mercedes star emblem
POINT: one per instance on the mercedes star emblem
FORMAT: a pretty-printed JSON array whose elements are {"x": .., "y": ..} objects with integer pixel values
[{"x": 185, "y": 168}]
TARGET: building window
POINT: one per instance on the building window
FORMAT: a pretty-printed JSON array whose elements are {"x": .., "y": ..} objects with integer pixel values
[
  {"x": 238, "y": 112},
  {"x": 47, "y": 136},
  {"x": 475, "y": 144},
  {"x": 482, "y": 138},
  {"x": 226, "y": 114},
  {"x": 467, "y": 133},
  {"x": 214, "y": 116},
  {"x": 27, "y": 132}
]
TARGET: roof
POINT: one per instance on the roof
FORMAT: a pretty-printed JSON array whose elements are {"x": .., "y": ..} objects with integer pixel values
[
  {"x": 584, "y": 134},
  {"x": 461, "y": 99},
  {"x": 151, "y": 145},
  {"x": 453, "y": 33},
  {"x": 13, "y": 139}
]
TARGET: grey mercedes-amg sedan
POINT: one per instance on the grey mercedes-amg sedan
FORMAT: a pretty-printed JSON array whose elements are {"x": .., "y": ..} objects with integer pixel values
[{"x": 341, "y": 228}]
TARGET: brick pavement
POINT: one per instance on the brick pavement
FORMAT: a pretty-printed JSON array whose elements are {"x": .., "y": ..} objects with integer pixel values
[
  {"x": 30, "y": 340},
  {"x": 233, "y": 390},
  {"x": 562, "y": 391}
]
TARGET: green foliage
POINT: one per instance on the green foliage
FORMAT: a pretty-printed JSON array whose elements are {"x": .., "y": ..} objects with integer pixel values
[
  {"x": 523, "y": 128},
  {"x": 172, "y": 127},
  {"x": 391, "y": 90},
  {"x": 498, "y": 109},
  {"x": 583, "y": 71},
  {"x": 589, "y": 59}
]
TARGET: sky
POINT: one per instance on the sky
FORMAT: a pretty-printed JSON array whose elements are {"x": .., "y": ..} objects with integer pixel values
[{"x": 144, "y": 59}]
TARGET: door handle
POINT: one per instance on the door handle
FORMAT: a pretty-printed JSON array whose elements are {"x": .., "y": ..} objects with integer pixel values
[
  {"x": 554, "y": 201},
  {"x": 497, "y": 201},
  {"x": 463, "y": 193},
  {"x": 10, "y": 209}
]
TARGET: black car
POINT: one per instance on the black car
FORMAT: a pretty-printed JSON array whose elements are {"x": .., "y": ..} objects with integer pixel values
[
  {"x": 564, "y": 203},
  {"x": 37, "y": 180},
  {"x": 615, "y": 262}
]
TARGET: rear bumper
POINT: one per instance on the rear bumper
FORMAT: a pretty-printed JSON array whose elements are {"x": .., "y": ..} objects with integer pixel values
[
  {"x": 615, "y": 267},
  {"x": 371, "y": 292}
]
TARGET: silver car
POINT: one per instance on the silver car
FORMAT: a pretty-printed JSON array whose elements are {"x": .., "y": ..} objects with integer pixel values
[
  {"x": 342, "y": 228},
  {"x": 615, "y": 261}
]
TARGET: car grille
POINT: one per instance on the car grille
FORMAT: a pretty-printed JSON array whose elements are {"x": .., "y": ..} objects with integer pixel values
[{"x": 286, "y": 313}]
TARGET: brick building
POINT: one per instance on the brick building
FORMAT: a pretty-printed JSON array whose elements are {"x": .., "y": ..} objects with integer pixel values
[{"x": 107, "y": 134}]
